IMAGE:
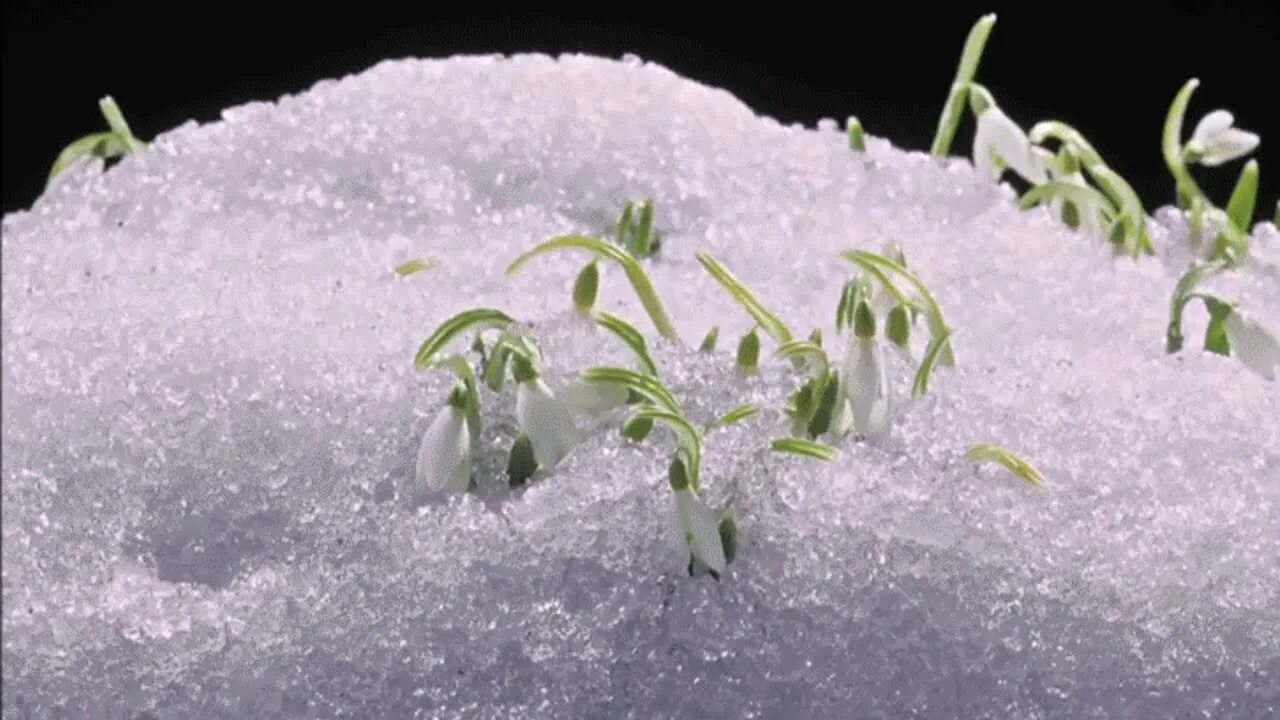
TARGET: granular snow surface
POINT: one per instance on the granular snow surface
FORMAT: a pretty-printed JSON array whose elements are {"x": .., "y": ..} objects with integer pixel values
[{"x": 211, "y": 418}]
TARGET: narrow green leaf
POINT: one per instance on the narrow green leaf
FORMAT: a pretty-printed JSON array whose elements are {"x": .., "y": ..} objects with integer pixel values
[
  {"x": 623, "y": 228},
  {"x": 1171, "y": 144},
  {"x": 1244, "y": 197},
  {"x": 631, "y": 337},
  {"x": 115, "y": 120},
  {"x": 647, "y": 386},
  {"x": 1183, "y": 292},
  {"x": 103, "y": 145},
  {"x": 810, "y": 352},
  {"x": 1011, "y": 462},
  {"x": 521, "y": 464},
  {"x": 804, "y": 448},
  {"x": 687, "y": 437},
  {"x": 1121, "y": 193},
  {"x": 482, "y": 318},
  {"x": 709, "y": 341},
  {"x": 828, "y": 393},
  {"x": 644, "y": 231},
  {"x": 735, "y": 415},
  {"x": 920, "y": 385},
  {"x": 968, "y": 67},
  {"x": 1081, "y": 195},
  {"x": 769, "y": 322},
  {"x": 635, "y": 274},
  {"x": 411, "y": 267}
]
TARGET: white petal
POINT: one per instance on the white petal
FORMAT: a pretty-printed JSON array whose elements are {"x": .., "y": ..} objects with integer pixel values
[
  {"x": 1228, "y": 145},
  {"x": 999, "y": 135},
  {"x": 1210, "y": 125},
  {"x": 444, "y": 457},
  {"x": 868, "y": 386},
  {"x": 702, "y": 528},
  {"x": 593, "y": 398},
  {"x": 1252, "y": 344},
  {"x": 546, "y": 421}
]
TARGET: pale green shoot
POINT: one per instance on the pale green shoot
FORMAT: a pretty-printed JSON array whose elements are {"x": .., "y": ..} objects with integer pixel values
[
  {"x": 631, "y": 337},
  {"x": 953, "y": 110},
  {"x": 1011, "y": 462},
  {"x": 646, "y": 386},
  {"x": 1183, "y": 293},
  {"x": 709, "y": 340},
  {"x": 804, "y": 448},
  {"x": 856, "y": 140},
  {"x": 635, "y": 274},
  {"x": 477, "y": 318},
  {"x": 920, "y": 385},
  {"x": 735, "y": 415},
  {"x": 1171, "y": 145},
  {"x": 116, "y": 142},
  {"x": 1232, "y": 243}
]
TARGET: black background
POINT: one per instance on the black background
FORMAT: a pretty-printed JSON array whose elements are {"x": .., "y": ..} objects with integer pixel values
[{"x": 1110, "y": 70}]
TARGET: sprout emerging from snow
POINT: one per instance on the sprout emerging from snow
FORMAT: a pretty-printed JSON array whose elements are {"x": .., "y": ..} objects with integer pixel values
[{"x": 116, "y": 142}]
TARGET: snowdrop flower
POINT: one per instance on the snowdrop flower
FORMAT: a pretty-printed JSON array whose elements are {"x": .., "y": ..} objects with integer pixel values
[
  {"x": 542, "y": 416},
  {"x": 865, "y": 376},
  {"x": 1252, "y": 344},
  {"x": 1215, "y": 141},
  {"x": 694, "y": 524},
  {"x": 593, "y": 398},
  {"x": 999, "y": 143},
  {"x": 444, "y": 458}
]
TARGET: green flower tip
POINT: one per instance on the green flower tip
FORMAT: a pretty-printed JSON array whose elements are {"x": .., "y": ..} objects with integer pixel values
[
  {"x": 586, "y": 287},
  {"x": 709, "y": 341},
  {"x": 749, "y": 352},
  {"x": 412, "y": 266},
  {"x": 899, "y": 326},
  {"x": 521, "y": 464},
  {"x": 856, "y": 141},
  {"x": 678, "y": 475},
  {"x": 864, "y": 321},
  {"x": 521, "y": 369}
]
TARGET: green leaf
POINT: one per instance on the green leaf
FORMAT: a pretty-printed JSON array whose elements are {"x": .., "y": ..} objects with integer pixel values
[
  {"x": 1184, "y": 292},
  {"x": 1081, "y": 195},
  {"x": 749, "y": 352},
  {"x": 642, "y": 240},
  {"x": 856, "y": 141},
  {"x": 769, "y": 322},
  {"x": 1244, "y": 197},
  {"x": 647, "y": 386},
  {"x": 954, "y": 107},
  {"x": 1011, "y": 462},
  {"x": 623, "y": 228},
  {"x": 1136, "y": 240},
  {"x": 521, "y": 464},
  {"x": 637, "y": 429},
  {"x": 810, "y": 352},
  {"x": 687, "y": 437},
  {"x": 411, "y": 267},
  {"x": 920, "y": 385},
  {"x": 1171, "y": 145},
  {"x": 631, "y": 337},
  {"x": 586, "y": 287},
  {"x": 880, "y": 267},
  {"x": 735, "y": 415},
  {"x": 804, "y": 448},
  {"x": 635, "y": 274},
  {"x": 482, "y": 318},
  {"x": 709, "y": 341},
  {"x": 1215, "y": 335}
]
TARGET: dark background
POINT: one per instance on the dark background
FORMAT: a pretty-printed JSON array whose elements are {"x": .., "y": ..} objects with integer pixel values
[{"x": 1110, "y": 70}]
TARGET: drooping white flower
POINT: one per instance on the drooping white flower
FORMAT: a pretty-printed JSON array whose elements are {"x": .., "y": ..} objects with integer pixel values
[
  {"x": 999, "y": 143},
  {"x": 697, "y": 529},
  {"x": 1252, "y": 344},
  {"x": 864, "y": 376},
  {"x": 546, "y": 420},
  {"x": 444, "y": 457},
  {"x": 593, "y": 398},
  {"x": 1215, "y": 141}
]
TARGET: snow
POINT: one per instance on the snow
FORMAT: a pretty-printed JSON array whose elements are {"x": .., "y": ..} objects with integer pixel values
[{"x": 211, "y": 417}]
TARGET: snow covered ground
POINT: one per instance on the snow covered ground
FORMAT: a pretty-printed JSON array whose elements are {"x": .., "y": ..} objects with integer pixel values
[{"x": 211, "y": 417}]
